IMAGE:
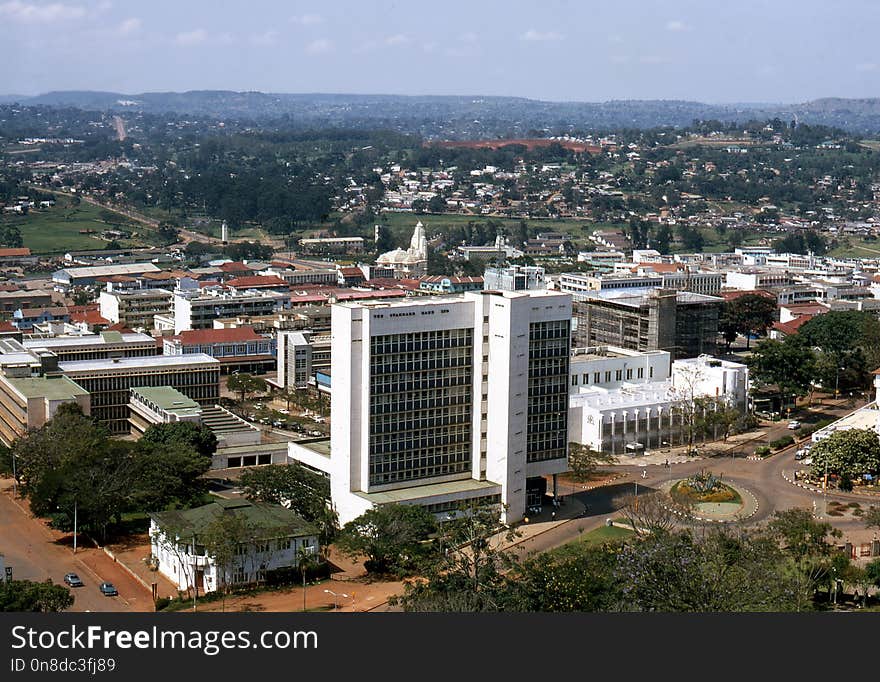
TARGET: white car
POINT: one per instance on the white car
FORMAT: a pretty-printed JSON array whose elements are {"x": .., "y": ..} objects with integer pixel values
[{"x": 794, "y": 425}]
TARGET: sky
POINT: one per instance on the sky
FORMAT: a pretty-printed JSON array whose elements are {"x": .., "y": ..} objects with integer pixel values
[{"x": 716, "y": 51}]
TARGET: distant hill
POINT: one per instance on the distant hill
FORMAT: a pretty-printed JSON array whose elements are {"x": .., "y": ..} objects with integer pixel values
[{"x": 461, "y": 117}]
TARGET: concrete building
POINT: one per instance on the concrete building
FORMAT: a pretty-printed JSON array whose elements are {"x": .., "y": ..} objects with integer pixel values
[
  {"x": 109, "y": 382},
  {"x": 332, "y": 245},
  {"x": 514, "y": 278},
  {"x": 70, "y": 277},
  {"x": 238, "y": 349},
  {"x": 135, "y": 309},
  {"x": 28, "y": 402},
  {"x": 165, "y": 405},
  {"x": 440, "y": 401},
  {"x": 750, "y": 279},
  {"x": 199, "y": 309},
  {"x": 95, "y": 346},
  {"x": 278, "y": 539},
  {"x": 708, "y": 376},
  {"x": 609, "y": 367},
  {"x": 10, "y": 301},
  {"x": 683, "y": 323},
  {"x": 708, "y": 283}
]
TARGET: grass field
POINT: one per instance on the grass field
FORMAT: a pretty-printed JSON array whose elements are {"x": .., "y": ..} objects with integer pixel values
[
  {"x": 57, "y": 229},
  {"x": 856, "y": 247},
  {"x": 594, "y": 537}
]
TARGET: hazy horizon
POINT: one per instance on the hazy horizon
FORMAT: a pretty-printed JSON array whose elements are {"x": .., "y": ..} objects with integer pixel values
[{"x": 561, "y": 51}]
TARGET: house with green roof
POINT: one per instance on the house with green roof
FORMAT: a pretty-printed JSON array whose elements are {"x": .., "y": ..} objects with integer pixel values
[{"x": 229, "y": 542}]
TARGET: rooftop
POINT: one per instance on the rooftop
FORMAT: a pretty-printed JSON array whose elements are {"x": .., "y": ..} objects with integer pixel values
[
  {"x": 274, "y": 520},
  {"x": 49, "y": 387},
  {"x": 106, "y": 337},
  {"x": 157, "y": 361},
  {"x": 168, "y": 399},
  {"x": 226, "y": 335},
  {"x": 468, "y": 485}
]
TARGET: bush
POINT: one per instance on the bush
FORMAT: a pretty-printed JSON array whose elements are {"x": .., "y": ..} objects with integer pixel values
[
  {"x": 162, "y": 603},
  {"x": 762, "y": 451},
  {"x": 780, "y": 443}
]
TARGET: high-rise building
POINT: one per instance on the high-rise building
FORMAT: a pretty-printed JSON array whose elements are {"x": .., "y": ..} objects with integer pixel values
[{"x": 445, "y": 400}]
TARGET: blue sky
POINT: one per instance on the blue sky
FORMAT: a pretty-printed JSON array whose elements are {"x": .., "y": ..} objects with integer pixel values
[{"x": 707, "y": 50}]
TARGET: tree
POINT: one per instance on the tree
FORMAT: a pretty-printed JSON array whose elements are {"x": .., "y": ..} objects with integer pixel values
[
  {"x": 197, "y": 437},
  {"x": 468, "y": 574},
  {"x": 222, "y": 538},
  {"x": 583, "y": 461},
  {"x": 385, "y": 240},
  {"x": 293, "y": 486},
  {"x": 803, "y": 539},
  {"x": 871, "y": 519},
  {"x": 787, "y": 365},
  {"x": 391, "y": 537},
  {"x": 663, "y": 238},
  {"x": 27, "y": 596},
  {"x": 752, "y": 313},
  {"x": 653, "y": 512},
  {"x": 246, "y": 384},
  {"x": 719, "y": 572},
  {"x": 853, "y": 453}
]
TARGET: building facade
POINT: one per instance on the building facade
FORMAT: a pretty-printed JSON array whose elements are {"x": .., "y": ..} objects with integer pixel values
[
  {"x": 109, "y": 382},
  {"x": 441, "y": 401}
]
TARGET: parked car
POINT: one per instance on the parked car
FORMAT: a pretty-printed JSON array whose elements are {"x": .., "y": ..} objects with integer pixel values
[
  {"x": 73, "y": 580},
  {"x": 800, "y": 454},
  {"x": 108, "y": 590},
  {"x": 794, "y": 425}
]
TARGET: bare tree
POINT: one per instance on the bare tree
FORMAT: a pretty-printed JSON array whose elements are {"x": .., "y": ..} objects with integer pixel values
[{"x": 654, "y": 512}]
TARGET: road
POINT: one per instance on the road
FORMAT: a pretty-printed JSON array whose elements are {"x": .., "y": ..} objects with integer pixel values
[
  {"x": 763, "y": 478},
  {"x": 37, "y": 553}
]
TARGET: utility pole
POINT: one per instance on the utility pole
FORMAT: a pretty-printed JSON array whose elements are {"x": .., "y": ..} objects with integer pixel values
[{"x": 74, "y": 525}]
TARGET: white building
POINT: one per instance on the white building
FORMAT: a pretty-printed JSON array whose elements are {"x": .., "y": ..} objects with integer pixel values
[
  {"x": 610, "y": 367},
  {"x": 707, "y": 376},
  {"x": 751, "y": 279},
  {"x": 197, "y": 309},
  {"x": 443, "y": 400},
  {"x": 410, "y": 263},
  {"x": 279, "y": 538},
  {"x": 294, "y": 359}
]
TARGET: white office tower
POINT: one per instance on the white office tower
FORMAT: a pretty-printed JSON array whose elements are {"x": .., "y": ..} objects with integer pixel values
[
  {"x": 224, "y": 233},
  {"x": 444, "y": 400}
]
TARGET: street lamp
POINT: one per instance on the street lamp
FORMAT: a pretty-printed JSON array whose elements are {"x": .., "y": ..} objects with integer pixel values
[{"x": 336, "y": 598}]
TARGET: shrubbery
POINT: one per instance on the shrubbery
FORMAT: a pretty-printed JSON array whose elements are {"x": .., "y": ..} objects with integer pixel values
[{"x": 783, "y": 442}]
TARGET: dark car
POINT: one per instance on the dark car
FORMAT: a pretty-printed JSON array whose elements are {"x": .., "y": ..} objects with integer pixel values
[
  {"x": 108, "y": 590},
  {"x": 73, "y": 580}
]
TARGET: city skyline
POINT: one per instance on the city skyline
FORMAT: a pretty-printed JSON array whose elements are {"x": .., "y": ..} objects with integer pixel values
[{"x": 563, "y": 51}]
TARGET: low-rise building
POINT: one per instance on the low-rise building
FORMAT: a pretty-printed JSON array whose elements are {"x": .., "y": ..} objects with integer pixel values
[
  {"x": 277, "y": 539},
  {"x": 135, "y": 309},
  {"x": 237, "y": 349}
]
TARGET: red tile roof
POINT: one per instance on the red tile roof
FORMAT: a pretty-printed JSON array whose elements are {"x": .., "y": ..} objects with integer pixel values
[
  {"x": 258, "y": 282},
  {"x": 89, "y": 317},
  {"x": 7, "y": 326},
  {"x": 7, "y": 253},
  {"x": 733, "y": 295},
  {"x": 792, "y": 326},
  {"x": 195, "y": 337},
  {"x": 235, "y": 266}
]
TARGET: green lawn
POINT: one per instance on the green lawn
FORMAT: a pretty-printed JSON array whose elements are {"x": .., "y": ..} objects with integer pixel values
[
  {"x": 57, "y": 229},
  {"x": 597, "y": 536}
]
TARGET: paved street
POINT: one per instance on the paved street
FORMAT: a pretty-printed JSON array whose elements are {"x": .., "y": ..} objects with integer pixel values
[{"x": 35, "y": 552}]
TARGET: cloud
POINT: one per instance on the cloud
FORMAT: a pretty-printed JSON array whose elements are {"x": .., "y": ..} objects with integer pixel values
[
  {"x": 652, "y": 59},
  {"x": 307, "y": 19},
  {"x": 25, "y": 12},
  {"x": 265, "y": 39},
  {"x": 320, "y": 46},
  {"x": 190, "y": 38},
  {"x": 541, "y": 36},
  {"x": 866, "y": 66},
  {"x": 676, "y": 25},
  {"x": 129, "y": 26},
  {"x": 468, "y": 37},
  {"x": 399, "y": 39}
]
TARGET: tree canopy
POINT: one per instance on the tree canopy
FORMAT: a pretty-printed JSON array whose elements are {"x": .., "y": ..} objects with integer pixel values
[{"x": 850, "y": 453}]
